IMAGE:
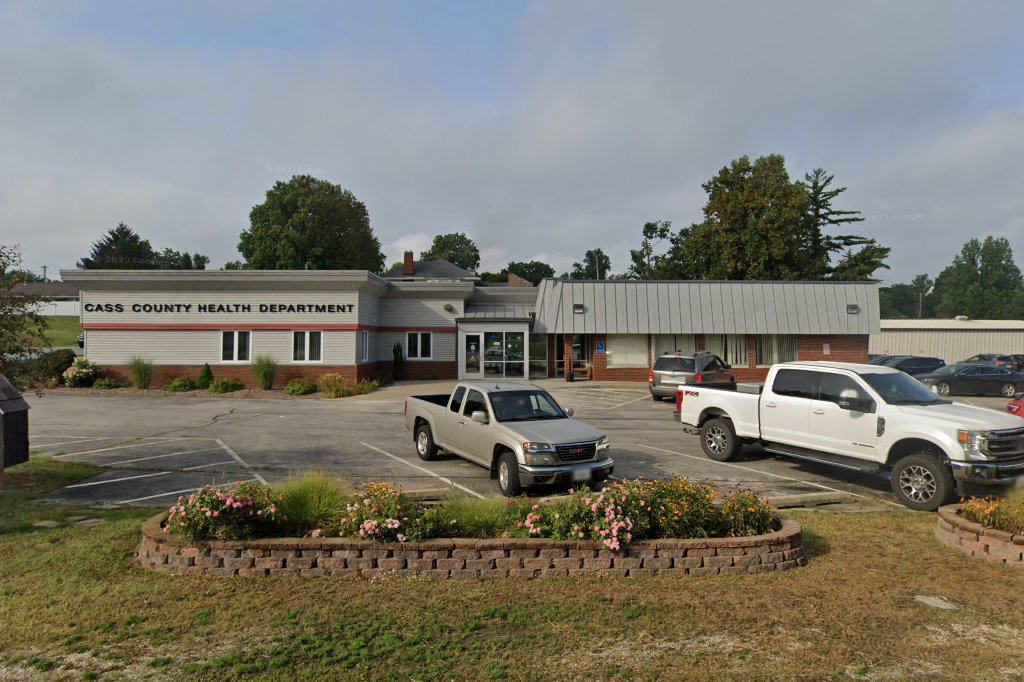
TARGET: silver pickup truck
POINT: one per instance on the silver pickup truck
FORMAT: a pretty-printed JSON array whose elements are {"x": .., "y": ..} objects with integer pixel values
[{"x": 517, "y": 431}]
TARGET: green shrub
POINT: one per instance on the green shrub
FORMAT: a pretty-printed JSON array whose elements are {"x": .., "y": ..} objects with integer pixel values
[
  {"x": 311, "y": 502},
  {"x": 398, "y": 357},
  {"x": 243, "y": 510},
  {"x": 205, "y": 377},
  {"x": 487, "y": 518},
  {"x": 1001, "y": 514},
  {"x": 107, "y": 383},
  {"x": 141, "y": 371},
  {"x": 52, "y": 365},
  {"x": 365, "y": 386},
  {"x": 180, "y": 384},
  {"x": 265, "y": 369},
  {"x": 81, "y": 373},
  {"x": 332, "y": 385},
  {"x": 225, "y": 386},
  {"x": 383, "y": 512},
  {"x": 300, "y": 386}
]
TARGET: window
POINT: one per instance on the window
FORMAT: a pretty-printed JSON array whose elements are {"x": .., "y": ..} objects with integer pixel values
[
  {"x": 672, "y": 343},
  {"x": 307, "y": 346},
  {"x": 475, "y": 403},
  {"x": 626, "y": 350},
  {"x": 418, "y": 346},
  {"x": 834, "y": 384},
  {"x": 732, "y": 348},
  {"x": 234, "y": 346},
  {"x": 364, "y": 345},
  {"x": 796, "y": 383},
  {"x": 457, "y": 399},
  {"x": 774, "y": 348}
]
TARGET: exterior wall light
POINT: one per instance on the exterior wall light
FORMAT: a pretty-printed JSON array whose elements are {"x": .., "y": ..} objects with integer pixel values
[
  {"x": 577, "y": 308},
  {"x": 852, "y": 308}
]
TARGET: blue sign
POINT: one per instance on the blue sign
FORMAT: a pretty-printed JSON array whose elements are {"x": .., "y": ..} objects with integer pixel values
[{"x": 600, "y": 348}]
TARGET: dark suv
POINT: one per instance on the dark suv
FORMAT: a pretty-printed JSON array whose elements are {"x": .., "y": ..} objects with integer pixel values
[
  {"x": 672, "y": 369},
  {"x": 911, "y": 364}
]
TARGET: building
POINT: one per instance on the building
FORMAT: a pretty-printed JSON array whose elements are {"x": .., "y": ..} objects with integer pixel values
[
  {"x": 449, "y": 326},
  {"x": 56, "y": 298},
  {"x": 951, "y": 340}
]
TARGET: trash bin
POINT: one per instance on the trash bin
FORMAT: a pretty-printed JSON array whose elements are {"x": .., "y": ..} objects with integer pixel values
[{"x": 13, "y": 425}]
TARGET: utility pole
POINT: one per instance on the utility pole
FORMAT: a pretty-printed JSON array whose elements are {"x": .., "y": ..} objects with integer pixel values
[
  {"x": 597, "y": 265},
  {"x": 44, "y": 273}
]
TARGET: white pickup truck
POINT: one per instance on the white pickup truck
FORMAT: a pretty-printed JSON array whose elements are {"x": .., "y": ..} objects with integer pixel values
[
  {"x": 863, "y": 417},
  {"x": 517, "y": 431}
]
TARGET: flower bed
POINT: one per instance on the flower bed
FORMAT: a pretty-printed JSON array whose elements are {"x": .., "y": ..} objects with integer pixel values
[{"x": 977, "y": 540}]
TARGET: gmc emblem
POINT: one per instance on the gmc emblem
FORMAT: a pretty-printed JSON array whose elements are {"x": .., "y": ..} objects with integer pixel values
[{"x": 576, "y": 451}]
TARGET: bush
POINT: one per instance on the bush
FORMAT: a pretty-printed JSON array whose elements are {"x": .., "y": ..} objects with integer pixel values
[
  {"x": 312, "y": 502},
  {"x": 106, "y": 383},
  {"x": 332, "y": 385},
  {"x": 1006, "y": 515},
  {"x": 205, "y": 377},
  {"x": 365, "y": 386},
  {"x": 81, "y": 373},
  {"x": 242, "y": 511},
  {"x": 225, "y": 386},
  {"x": 383, "y": 512},
  {"x": 484, "y": 518},
  {"x": 265, "y": 369},
  {"x": 300, "y": 386},
  {"x": 141, "y": 371},
  {"x": 180, "y": 385},
  {"x": 52, "y": 365}
]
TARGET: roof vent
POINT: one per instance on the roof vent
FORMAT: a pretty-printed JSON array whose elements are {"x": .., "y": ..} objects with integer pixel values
[{"x": 961, "y": 318}]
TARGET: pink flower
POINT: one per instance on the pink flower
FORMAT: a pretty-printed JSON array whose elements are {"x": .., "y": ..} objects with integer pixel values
[{"x": 535, "y": 507}]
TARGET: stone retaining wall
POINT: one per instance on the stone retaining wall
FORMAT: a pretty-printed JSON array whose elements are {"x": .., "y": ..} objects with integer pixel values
[
  {"x": 974, "y": 539},
  {"x": 469, "y": 559}
]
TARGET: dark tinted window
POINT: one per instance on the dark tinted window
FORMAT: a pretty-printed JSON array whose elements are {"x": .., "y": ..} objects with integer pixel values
[
  {"x": 796, "y": 383},
  {"x": 474, "y": 402},
  {"x": 833, "y": 384},
  {"x": 713, "y": 365},
  {"x": 673, "y": 365},
  {"x": 457, "y": 399}
]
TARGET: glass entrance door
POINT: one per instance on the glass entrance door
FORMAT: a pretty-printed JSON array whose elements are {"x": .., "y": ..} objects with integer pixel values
[{"x": 471, "y": 363}]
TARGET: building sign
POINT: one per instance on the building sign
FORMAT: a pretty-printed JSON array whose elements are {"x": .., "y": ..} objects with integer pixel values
[
  {"x": 600, "y": 347},
  {"x": 323, "y": 308}
]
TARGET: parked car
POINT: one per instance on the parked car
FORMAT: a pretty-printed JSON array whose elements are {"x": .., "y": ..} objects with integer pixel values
[
  {"x": 81, "y": 340},
  {"x": 1019, "y": 359},
  {"x": 963, "y": 379},
  {"x": 1016, "y": 406},
  {"x": 862, "y": 417},
  {"x": 517, "y": 431},
  {"x": 672, "y": 369},
  {"x": 990, "y": 359},
  {"x": 874, "y": 359},
  {"x": 911, "y": 364}
]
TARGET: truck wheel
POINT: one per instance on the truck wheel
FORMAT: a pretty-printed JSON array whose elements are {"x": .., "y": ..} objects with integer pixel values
[
  {"x": 942, "y": 388},
  {"x": 425, "y": 446},
  {"x": 508, "y": 475},
  {"x": 657, "y": 398},
  {"x": 922, "y": 482},
  {"x": 719, "y": 440}
]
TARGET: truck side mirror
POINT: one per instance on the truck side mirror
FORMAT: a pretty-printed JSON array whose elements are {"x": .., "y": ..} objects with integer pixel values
[
  {"x": 849, "y": 399},
  {"x": 479, "y": 416},
  {"x": 570, "y": 412}
]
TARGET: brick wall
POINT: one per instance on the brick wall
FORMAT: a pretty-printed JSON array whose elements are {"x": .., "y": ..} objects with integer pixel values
[
  {"x": 163, "y": 374},
  {"x": 975, "y": 540},
  {"x": 602, "y": 372},
  {"x": 424, "y": 369},
  {"x": 470, "y": 559}
]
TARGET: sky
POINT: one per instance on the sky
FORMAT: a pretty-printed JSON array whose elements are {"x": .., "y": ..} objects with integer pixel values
[{"x": 540, "y": 129}]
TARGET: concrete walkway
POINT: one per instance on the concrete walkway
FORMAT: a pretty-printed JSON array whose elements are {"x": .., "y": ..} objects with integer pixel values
[{"x": 401, "y": 390}]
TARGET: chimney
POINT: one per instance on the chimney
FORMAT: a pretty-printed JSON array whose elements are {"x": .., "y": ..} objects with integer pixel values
[
  {"x": 515, "y": 280},
  {"x": 409, "y": 270}
]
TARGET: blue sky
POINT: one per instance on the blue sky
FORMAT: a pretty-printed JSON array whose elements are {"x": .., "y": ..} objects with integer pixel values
[{"x": 540, "y": 129}]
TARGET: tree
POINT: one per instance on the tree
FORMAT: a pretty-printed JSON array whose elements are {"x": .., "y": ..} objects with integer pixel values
[
  {"x": 532, "y": 271},
  {"x": 595, "y": 265},
  {"x": 307, "y": 223},
  {"x": 456, "y": 248},
  {"x": 21, "y": 326},
  {"x": 911, "y": 300},
  {"x": 169, "y": 259},
  {"x": 22, "y": 276},
  {"x": 982, "y": 282},
  {"x": 645, "y": 263},
  {"x": 120, "y": 249}
]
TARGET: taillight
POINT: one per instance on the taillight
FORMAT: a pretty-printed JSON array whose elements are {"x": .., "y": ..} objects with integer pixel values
[
  {"x": 679, "y": 399},
  {"x": 650, "y": 377},
  {"x": 699, "y": 378},
  {"x": 1013, "y": 409}
]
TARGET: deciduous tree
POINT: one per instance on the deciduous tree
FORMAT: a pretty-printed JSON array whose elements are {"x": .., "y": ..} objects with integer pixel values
[
  {"x": 455, "y": 248},
  {"x": 646, "y": 262},
  {"x": 595, "y": 265},
  {"x": 21, "y": 326},
  {"x": 983, "y": 281}
]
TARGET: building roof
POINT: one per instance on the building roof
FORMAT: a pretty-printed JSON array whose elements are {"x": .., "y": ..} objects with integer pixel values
[
  {"x": 224, "y": 280},
  {"x": 431, "y": 269},
  {"x": 47, "y": 289},
  {"x": 706, "y": 307},
  {"x": 506, "y": 312},
  {"x": 954, "y": 325}
]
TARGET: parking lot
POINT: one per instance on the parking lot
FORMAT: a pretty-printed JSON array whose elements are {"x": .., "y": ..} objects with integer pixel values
[{"x": 157, "y": 448}]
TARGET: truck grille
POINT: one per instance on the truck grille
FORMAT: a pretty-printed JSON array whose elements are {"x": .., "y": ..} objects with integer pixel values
[
  {"x": 574, "y": 452},
  {"x": 1007, "y": 443}
]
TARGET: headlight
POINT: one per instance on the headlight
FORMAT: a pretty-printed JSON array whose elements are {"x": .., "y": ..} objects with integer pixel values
[
  {"x": 534, "y": 459},
  {"x": 973, "y": 443},
  {"x": 603, "y": 443}
]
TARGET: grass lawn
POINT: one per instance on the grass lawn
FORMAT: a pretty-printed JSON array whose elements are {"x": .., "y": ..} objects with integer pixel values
[
  {"x": 73, "y": 605},
  {"x": 63, "y": 330}
]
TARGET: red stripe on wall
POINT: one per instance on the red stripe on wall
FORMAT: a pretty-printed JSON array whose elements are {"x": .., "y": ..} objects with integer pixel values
[{"x": 282, "y": 326}]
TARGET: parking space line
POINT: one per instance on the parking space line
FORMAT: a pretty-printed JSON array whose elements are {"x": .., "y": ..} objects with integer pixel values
[
  {"x": 245, "y": 465},
  {"x": 116, "y": 447},
  {"x": 203, "y": 466},
  {"x": 426, "y": 471},
  {"x": 169, "y": 454},
  {"x": 117, "y": 480},
  {"x": 755, "y": 471},
  {"x": 173, "y": 492},
  {"x": 68, "y": 442}
]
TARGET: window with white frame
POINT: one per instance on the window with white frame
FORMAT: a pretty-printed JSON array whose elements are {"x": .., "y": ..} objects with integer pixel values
[
  {"x": 364, "y": 345},
  {"x": 418, "y": 345},
  {"x": 773, "y": 348},
  {"x": 307, "y": 346},
  {"x": 234, "y": 346},
  {"x": 732, "y": 348},
  {"x": 626, "y": 350}
]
